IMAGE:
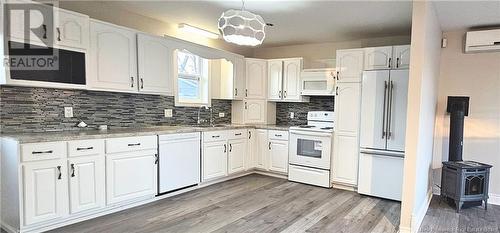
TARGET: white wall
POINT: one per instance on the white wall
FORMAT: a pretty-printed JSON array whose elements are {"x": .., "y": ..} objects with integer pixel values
[
  {"x": 321, "y": 51},
  {"x": 478, "y": 76},
  {"x": 422, "y": 101}
]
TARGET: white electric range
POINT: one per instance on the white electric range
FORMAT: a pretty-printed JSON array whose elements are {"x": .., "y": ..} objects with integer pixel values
[{"x": 310, "y": 149}]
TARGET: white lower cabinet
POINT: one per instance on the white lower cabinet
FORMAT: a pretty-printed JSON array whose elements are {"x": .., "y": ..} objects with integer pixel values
[
  {"x": 251, "y": 148},
  {"x": 278, "y": 151},
  {"x": 345, "y": 160},
  {"x": 86, "y": 183},
  {"x": 214, "y": 160},
  {"x": 45, "y": 191},
  {"x": 129, "y": 176},
  {"x": 236, "y": 155},
  {"x": 261, "y": 149}
]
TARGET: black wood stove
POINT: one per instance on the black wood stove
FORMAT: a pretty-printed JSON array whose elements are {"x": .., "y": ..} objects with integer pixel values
[{"x": 465, "y": 182}]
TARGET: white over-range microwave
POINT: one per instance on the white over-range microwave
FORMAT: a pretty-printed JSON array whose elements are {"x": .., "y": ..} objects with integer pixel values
[{"x": 317, "y": 82}]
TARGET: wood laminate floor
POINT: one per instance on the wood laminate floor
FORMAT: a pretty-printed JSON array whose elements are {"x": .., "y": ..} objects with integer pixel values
[
  {"x": 253, "y": 203},
  {"x": 442, "y": 217}
]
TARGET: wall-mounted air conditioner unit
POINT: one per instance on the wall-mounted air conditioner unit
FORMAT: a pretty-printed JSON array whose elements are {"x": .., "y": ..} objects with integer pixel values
[{"x": 482, "y": 41}]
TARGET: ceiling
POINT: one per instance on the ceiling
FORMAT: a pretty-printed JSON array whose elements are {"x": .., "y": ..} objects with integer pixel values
[
  {"x": 459, "y": 15},
  {"x": 296, "y": 22}
]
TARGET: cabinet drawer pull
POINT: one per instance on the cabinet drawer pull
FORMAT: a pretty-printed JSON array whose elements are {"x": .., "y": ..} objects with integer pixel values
[
  {"x": 249, "y": 134},
  {"x": 216, "y": 136},
  {"x": 269, "y": 145},
  {"x": 278, "y": 135},
  {"x": 60, "y": 174},
  {"x": 237, "y": 134},
  {"x": 134, "y": 144},
  {"x": 72, "y": 170},
  {"x": 225, "y": 148},
  {"x": 85, "y": 148},
  {"x": 42, "y": 152}
]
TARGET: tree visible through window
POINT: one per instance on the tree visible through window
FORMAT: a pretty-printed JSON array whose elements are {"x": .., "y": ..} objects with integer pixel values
[{"x": 190, "y": 75}]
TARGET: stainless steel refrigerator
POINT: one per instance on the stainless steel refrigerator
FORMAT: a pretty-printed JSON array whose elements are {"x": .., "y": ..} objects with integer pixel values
[{"x": 382, "y": 135}]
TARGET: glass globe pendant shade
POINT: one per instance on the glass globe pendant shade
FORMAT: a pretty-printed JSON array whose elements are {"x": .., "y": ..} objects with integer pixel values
[{"x": 242, "y": 27}]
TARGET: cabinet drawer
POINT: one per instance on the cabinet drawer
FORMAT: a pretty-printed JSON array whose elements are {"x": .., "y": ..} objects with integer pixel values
[
  {"x": 238, "y": 134},
  {"x": 213, "y": 136},
  {"x": 116, "y": 145},
  {"x": 85, "y": 147},
  {"x": 278, "y": 135},
  {"x": 43, "y": 151}
]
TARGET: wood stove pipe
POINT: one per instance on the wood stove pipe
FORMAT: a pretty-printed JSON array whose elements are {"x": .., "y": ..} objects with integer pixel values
[{"x": 458, "y": 107}]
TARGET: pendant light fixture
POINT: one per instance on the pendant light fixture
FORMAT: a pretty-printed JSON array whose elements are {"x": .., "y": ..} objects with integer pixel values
[{"x": 242, "y": 27}]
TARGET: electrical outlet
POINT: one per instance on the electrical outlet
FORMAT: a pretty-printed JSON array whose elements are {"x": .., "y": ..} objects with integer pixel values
[
  {"x": 68, "y": 112},
  {"x": 292, "y": 115},
  {"x": 221, "y": 114},
  {"x": 168, "y": 113}
]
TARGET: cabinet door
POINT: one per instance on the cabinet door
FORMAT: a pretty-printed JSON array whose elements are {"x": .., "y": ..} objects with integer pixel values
[
  {"x": 155, "y": 65},
  {"x": 251, "y": 149},
  {"x": 130, "y": 175},
  {"x": 45, "y": 191},
  {"x": 113, "y": 62},
  {"x": 278, "y": 156},
  {"x": 71, "y": 29},
  {"x": 256, "y": 79},
  {"x": 291, "y": 79},
  {"x": 397, "y": 111},
  {"x": 401, "y": 55},
  {"x": 255, "y": 111},
  {"x": 347, "y": 108},
  {"x": 214, "y": 160},
  {"x": 239, "y": 68},
  {"x": 349, "y": 65},
  {"x": 237, "y": 155},
  {"x": 262, "y": 151},
  {"x": 40, "y": 29},
  {"x": 275, "y": 79},
  {"x": 378, "y": 58},
  {"x": 86, "y": 183},
  {"x": 345, "y": 160}
]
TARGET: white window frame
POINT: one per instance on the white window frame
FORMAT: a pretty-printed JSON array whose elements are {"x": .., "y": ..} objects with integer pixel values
[{"x": 204, "y": 84}]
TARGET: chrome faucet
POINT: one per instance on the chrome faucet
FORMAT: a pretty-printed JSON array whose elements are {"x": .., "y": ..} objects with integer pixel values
[{"x": 199, "y": 120}]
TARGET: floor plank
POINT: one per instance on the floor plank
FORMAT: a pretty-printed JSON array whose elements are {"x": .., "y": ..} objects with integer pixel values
[{"x": 253, "y": 203}]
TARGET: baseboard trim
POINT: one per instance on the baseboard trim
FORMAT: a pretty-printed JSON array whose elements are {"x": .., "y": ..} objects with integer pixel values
[
  {"x": 494, "y": 199},
  {"x": 418, "y": 218},
  {"x": 8, "y": 228}
]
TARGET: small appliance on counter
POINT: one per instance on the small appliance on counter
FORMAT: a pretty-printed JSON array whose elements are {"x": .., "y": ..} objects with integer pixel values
[{"x": 310, "y": 149}]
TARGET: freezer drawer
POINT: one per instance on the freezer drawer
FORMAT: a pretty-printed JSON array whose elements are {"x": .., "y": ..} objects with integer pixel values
[{"x": 381, "y": 175}]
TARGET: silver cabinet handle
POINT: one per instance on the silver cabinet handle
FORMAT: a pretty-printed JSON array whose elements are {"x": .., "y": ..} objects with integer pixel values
[
  {"x": 389, "y": 116},
  {"x": 72, "y": 170},
  {"x": 384, "y": 110},
  {"x": 60, "y": 174},
  {"x": 131, "y": 81},
  {"x": 85, "y": 148},
  {"x": 58, "y": 34},
  {"x": 42, "y": 152}
]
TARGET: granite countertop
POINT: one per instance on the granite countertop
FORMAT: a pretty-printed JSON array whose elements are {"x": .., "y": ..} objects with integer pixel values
[{"x": 123, "y": 132}]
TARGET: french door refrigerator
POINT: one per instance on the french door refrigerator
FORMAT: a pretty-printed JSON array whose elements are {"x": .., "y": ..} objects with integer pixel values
[{"x": 382, "y": 135}]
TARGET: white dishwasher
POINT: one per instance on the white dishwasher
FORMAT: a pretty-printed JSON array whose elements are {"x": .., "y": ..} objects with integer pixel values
[{"x": 179, "y": 161}]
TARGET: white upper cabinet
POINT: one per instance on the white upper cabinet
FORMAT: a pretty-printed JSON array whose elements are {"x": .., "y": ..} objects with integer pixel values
[
  {"x": 71, "y": 29},
  {"x": 401, "y": 56},
  {"x": 275, "y": 79},
  {"x": 255, "y": 111},
  {"x": 40, "y": 30},
  {"x": 378, "y": 58},
  {"x": 291, "y": 79},
  {"x": 239, "y": 67},
  {"x": 256, "y": 79},
  {"x": 113, "y": 60},
  {"x": 349, "y": 65},
  {"x": 154, "y": 65},
  {"x": 347, "y": 108}
]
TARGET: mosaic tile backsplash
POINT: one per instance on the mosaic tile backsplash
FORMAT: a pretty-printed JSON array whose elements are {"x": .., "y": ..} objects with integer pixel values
[
  {"x": 317, "y": 103},
  {"x": 27, "y": 109}
]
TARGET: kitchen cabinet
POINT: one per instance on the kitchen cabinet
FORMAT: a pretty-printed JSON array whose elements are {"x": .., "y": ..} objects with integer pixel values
[
  {"x": 253, "y": 111},
  {"x": 155, "y": 65},
  {"x": 261, "y": 151},
  {"x": 71, "y": 29},
  {"x": 278, "y": 155},
  {"x": 45, "y": 191},
  {"x": 401, "y": 56},
  {"x": 347, "y": 108},
  {"x": 284, "y": 80},
  {"x": 214, "y": 160},
  {"x": 222, "y": 79},
  {"x": 251, "y": 149},
  {"x": 17, "y": 25},
  {"x": 349, "y": 65},
  {"x": 86, "y": 183},
  {"x": 378, "y": 58},
  {"x": 113, "y": 59},
  {"x": 237, "y": 155},
  {"x": 345, "y": 160},
  {"x": 256, "y": 79},
  {"x": 239, "y": 78}
]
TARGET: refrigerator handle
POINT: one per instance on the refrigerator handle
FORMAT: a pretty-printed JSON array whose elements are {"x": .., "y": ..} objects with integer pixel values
[
  {"x": 389, "y": 113},
  {"x": 383, "y": 112}
]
